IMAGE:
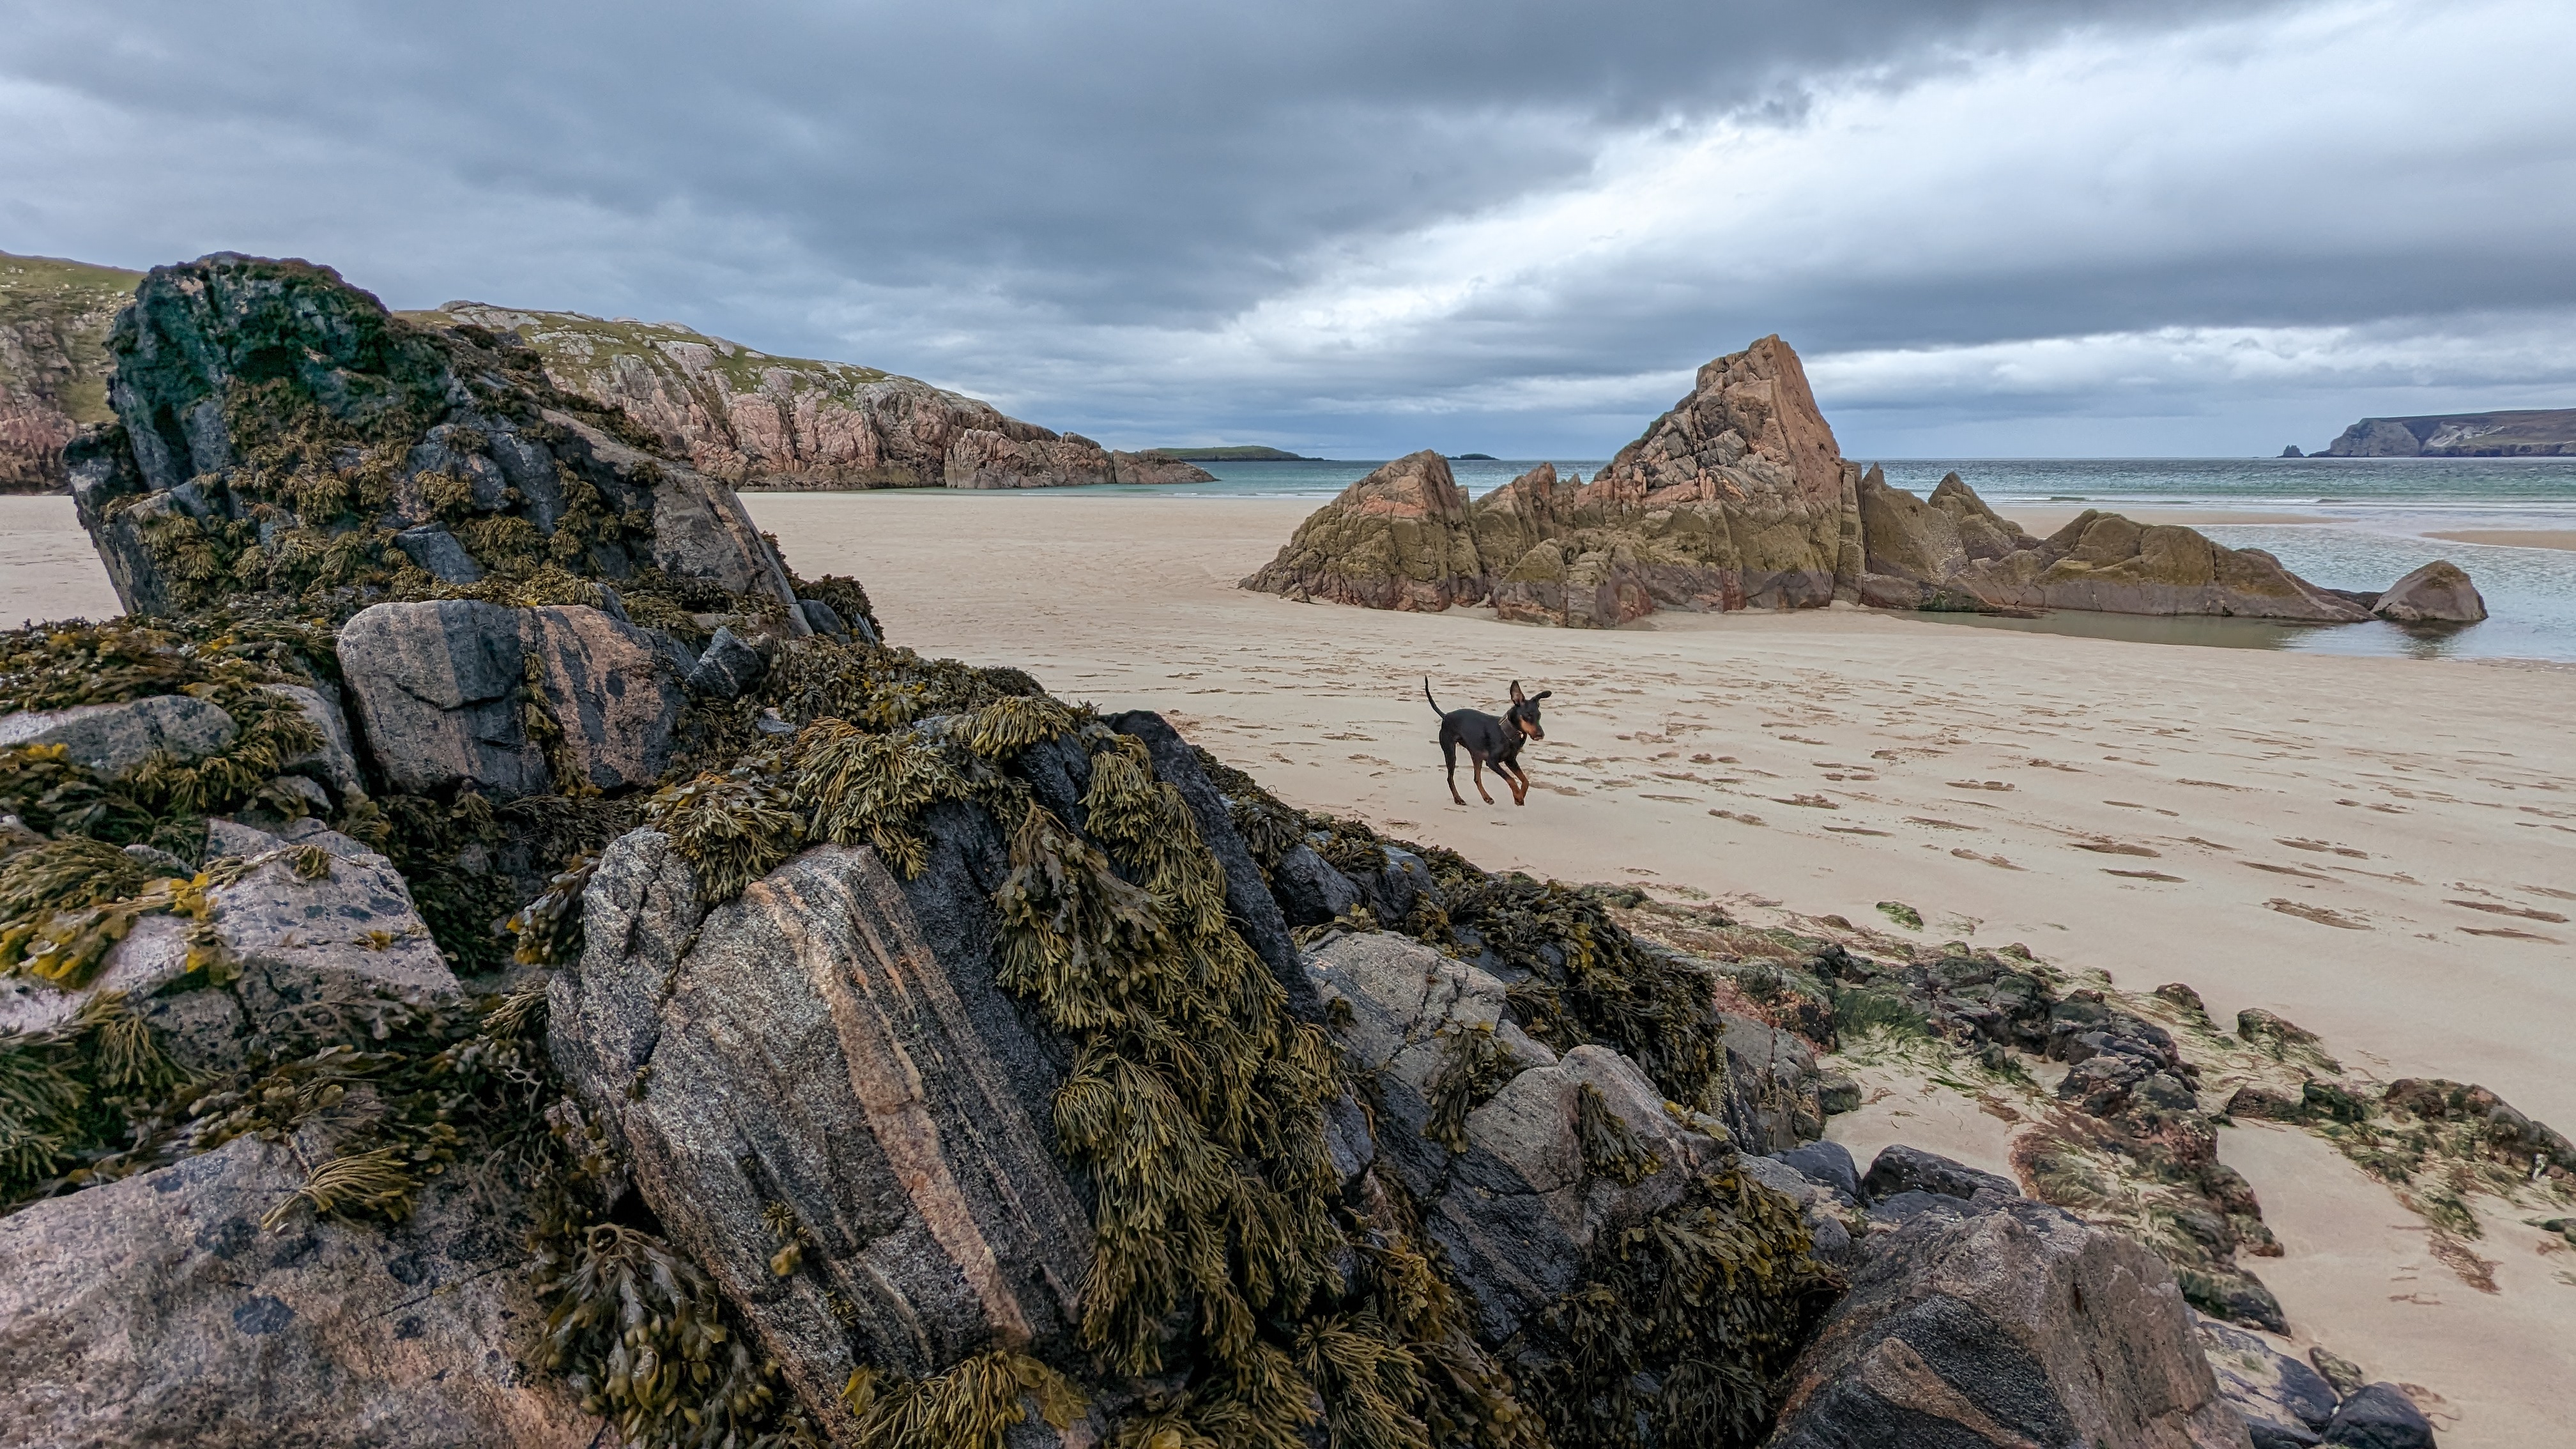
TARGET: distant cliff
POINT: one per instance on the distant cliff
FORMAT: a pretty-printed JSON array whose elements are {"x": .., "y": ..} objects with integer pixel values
[
  {"x": 2529, "y": 433},
  {"x": 54, "y": 317},
  {"x": 759, "y": 421}
]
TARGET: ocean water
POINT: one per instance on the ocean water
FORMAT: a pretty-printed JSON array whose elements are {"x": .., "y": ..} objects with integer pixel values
[{"x": 2375, "y": 515}]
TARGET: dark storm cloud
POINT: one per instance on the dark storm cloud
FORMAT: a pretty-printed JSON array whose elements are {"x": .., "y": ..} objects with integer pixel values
[{"x": 1105, "y": 215}]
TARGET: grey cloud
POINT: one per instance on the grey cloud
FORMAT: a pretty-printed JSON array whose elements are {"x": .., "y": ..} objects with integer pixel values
[{"x": 1056, "y": 205}]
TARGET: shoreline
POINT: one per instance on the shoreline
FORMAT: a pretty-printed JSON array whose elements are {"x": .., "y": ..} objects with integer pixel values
[{"x": 2563, "y": 539}]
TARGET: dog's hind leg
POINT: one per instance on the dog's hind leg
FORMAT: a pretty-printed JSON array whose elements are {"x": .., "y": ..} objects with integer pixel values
[{"x": 1449, "y": 747}]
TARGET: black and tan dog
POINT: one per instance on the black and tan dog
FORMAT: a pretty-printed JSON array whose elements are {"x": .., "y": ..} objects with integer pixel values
[{"x": 1490, "y": 741}]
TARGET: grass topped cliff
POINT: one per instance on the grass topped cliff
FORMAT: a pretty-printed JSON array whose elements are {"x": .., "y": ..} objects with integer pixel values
[
  {"x": 576, "y": 343},
  {"x": 54, "y": 316}
]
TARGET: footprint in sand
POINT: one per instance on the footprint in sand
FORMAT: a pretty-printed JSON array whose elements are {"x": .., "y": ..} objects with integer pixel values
[
  {"x": 1979, "y": 785},
  {"x": 1993, "y": 860},
  {"x": 1739, "y": 819},
  {"x": 2101, "y": 846},
  {"x": 2141, "y": 874}
]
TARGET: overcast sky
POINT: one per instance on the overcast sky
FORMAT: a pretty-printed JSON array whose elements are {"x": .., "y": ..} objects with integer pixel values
[{"x": 1359, "y": 227}]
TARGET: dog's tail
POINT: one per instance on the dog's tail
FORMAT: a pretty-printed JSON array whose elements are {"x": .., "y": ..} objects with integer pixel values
[{"x": 1435, "y": 704}]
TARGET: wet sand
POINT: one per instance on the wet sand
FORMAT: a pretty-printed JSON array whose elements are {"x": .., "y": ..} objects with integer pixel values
[{"x": 2559, "y": 538}]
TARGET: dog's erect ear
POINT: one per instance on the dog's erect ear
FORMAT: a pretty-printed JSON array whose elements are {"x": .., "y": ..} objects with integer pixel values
[
  {"x": 1516, "y": 693},
  {"x": 1542, "y": 694}
]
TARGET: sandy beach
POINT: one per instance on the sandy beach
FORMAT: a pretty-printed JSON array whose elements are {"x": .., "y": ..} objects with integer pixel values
[
  {"x": 2560, "y": 538},
  {"x": 2381, "y": 850}
]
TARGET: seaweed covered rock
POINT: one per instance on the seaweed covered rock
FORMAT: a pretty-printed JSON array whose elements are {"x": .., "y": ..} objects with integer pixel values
[
  {"x": 277, "y": 430},
  {"x": 115, "y": 740},
  {"x": 2006, "y": 1322},
  {"x": 1397, "y": 539},
  {"x": 267, "y": 928},
  {"x": 455, "y": 691},
  {"x": 892, "y": 1203},
  {"x": 158, "y": 1309}
]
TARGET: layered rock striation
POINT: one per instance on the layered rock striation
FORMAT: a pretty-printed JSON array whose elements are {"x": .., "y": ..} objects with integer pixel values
[
  {"x": 54, "y": 319},
  {"x": 1739, "y": 498}
]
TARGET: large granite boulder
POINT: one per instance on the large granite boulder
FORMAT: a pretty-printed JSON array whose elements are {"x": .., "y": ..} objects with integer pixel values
[
  {"x": 447, "y": 688},
  {"x": 116, "y": 739},
  {"x": 1487, "y": 1128},
  {"x": 1399, "y": 538},
  {"x": 277, "y": 428},
  {"x": 2437, "y": 593},
  {"x": 294, "y": 923},
  {"x": 156, "y": 1310},
  {"x": 2003, "y": 1322},
  {"x": 822, "y": 1053}
]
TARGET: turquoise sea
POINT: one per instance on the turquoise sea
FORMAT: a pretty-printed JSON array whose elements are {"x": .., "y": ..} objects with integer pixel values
[{"x": 2376, "y": 512}]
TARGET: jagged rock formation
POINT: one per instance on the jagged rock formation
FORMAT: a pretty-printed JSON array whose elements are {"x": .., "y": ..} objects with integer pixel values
[
  {"x": 2523, "y": 433},
  {"x": 760, "y": 421},
  {"x": 54, "y": 317},
  {"x": 1738, "y": 498},
  {"x": 1952, "y": 551}
]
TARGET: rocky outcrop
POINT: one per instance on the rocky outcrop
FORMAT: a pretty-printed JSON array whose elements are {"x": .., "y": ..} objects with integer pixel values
[
  {"x": 157, "y": 1310},
  {"x": 277, "y": 429},
  {"x": 899, "y": 1135},
  {"x": 1951, "y": 551},
  {"x": 2522, "y": 433},
  {"x": 449, "y": 690},
  {"x": 1737, "y": 498},
  {"x": 54, "y": 317},
  {"x": 985, "y": 458},
  {"x": 115, "y": 740},
  {"x": 1399, "y": 538},
  {"x": 1156, "y": 468},
  {"x": 2437, "y": 593},
  {"x": 1510, "y": 1195},
  {"x": 759, "y": 421},
  {"x": 2004, "y": 1322}
]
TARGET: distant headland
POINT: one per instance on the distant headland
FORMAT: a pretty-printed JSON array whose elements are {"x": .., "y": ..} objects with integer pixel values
[
  {"x": 1233, "y": 455},
  {"x": 2527, "y": 433}
]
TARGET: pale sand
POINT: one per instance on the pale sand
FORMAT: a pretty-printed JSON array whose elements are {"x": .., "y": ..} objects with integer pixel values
[
  {"x": 2406, "y": 785},
  {"x": 2560, "y": 538},
  {"x": 2046, "y": 518}
]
